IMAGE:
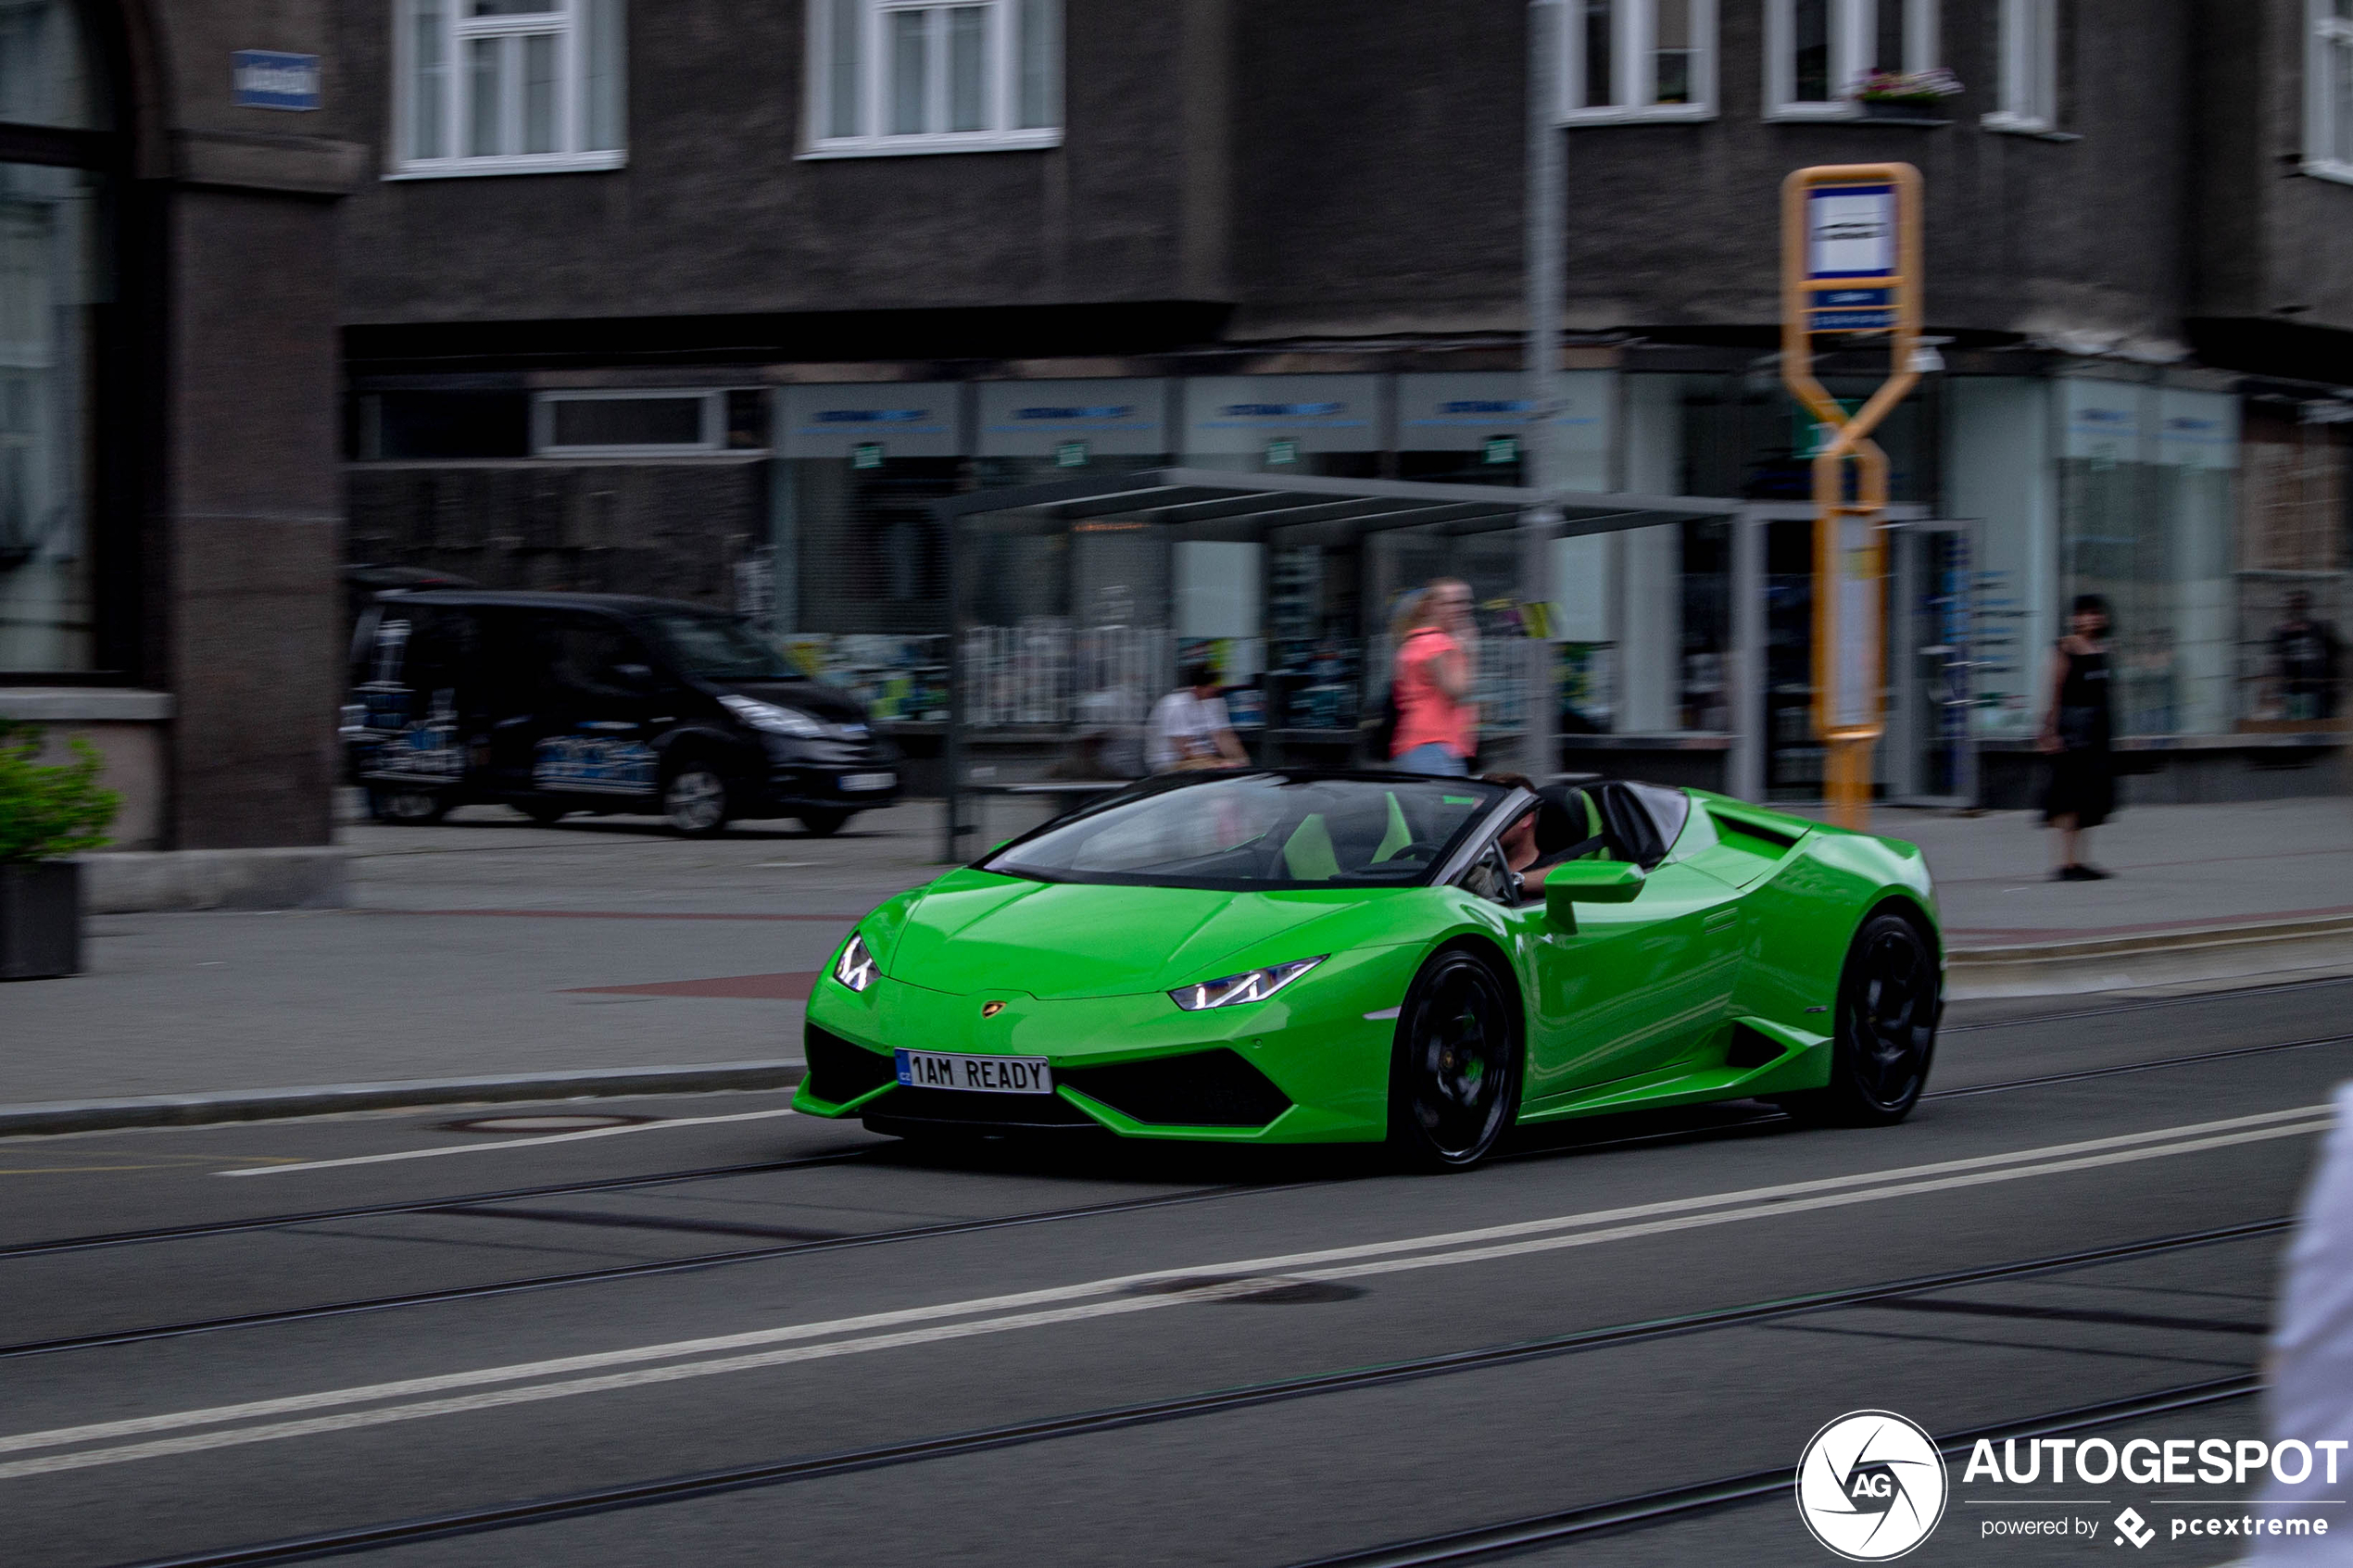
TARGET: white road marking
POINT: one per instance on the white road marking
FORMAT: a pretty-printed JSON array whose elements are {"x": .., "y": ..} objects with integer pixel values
[
  {"x": 503, "y": 1143},
  {"x": 1002, "y": 1313}
]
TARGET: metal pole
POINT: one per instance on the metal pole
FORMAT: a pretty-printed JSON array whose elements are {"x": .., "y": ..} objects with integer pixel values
[
  {"x": 1539, "y": 464},
  {"x": 952, "y": 829}
]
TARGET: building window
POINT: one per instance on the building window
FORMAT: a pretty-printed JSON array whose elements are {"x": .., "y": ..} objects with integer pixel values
[
  {"x": 1817, "y": 50},
  {"x": 56, "y": 297},
  {"x": 1638, "y": 59},
  {"x": 2029, "y": 66},
  {"x": 904, "y": 76},
  {"x": 645, "y": 423},
  {"x": 507, "y": 86},
  {"x": 2328, "y": 92}
]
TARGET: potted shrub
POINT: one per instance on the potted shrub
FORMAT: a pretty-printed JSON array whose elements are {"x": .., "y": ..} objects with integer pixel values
[
  {"x": 1896, "y": 95},
  {"x": 46, "y": 813}
]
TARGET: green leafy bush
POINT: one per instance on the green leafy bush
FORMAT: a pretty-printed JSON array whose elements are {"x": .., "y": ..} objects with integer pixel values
[{"x": 48, "y": 811}]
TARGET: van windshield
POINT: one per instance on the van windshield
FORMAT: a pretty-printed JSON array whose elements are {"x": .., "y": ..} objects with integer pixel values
[{"x": 719, "y": 648}]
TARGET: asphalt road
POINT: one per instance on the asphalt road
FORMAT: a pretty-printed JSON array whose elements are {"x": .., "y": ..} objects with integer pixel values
[{"x": 729, "y": 1335}]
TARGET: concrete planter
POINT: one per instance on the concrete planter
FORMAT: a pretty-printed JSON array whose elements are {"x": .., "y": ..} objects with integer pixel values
[{"x": 40, "y": 919}]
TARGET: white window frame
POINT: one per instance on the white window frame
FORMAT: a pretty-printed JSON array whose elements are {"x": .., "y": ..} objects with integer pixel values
[
  {"x": 572, "y": 96},
  {"x": 1633, "y": 36},
  {"x": 2329, "y": 48},
  {"x": 2029, "y": 59},
  {"x": 1854, "y": 43},
  {"x": 713, "y": 427},
  {"x": 1002, "y": 85}
]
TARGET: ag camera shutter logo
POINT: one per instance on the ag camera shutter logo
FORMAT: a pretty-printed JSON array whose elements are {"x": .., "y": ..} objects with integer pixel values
[{"x": 1870, "y": 1486}]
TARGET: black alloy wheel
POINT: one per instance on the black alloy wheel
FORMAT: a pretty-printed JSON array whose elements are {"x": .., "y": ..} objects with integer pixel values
[
  {"x": 1888, "y": 1002},
  {"x": 407, "y": 807},
  {"x": 1453, "y": 1082},
  {"x": 823, "y": 823}
]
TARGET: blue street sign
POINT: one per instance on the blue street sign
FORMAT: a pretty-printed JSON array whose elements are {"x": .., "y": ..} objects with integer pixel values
[
  {"x": 265, "y": 79},
  {"x": 1854, "y": 320}
]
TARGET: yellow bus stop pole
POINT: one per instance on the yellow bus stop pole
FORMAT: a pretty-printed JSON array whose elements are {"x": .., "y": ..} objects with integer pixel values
[{"x": 1850, "y": 548}]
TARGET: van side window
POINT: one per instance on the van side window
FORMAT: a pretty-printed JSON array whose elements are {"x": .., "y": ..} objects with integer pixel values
[
  {"x": 443, "y": 647},
  {"x": 580, "y": 653}
]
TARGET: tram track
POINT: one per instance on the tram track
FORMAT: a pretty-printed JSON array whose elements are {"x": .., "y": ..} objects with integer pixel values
[
  {"x": 473, "y": 1205},
  {"x": 422, "y": 1206},
  {"x": 637, "y": 1271},
  {"x": 1462, "y": 1546}
]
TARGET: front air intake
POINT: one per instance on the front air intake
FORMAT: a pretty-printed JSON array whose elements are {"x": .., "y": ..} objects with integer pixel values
[
  {"x": 839, "y": 1070},
  {"x": 1214, "y": 1088}
]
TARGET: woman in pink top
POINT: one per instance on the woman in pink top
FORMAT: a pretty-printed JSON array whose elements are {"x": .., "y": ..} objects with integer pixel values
[{"x": 1436, "y": 719}]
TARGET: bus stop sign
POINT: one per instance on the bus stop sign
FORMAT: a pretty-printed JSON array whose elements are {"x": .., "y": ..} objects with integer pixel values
[{"x": 1851, "y": 255}]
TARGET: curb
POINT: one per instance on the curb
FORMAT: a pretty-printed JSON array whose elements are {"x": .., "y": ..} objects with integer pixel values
[
  {"x": 262, "y": 1105},
  {"x": 2178, "y": 940},
  {"x": 2043, "y": 969},
  {"x": 145, "y": 882},
  {"x": 2216, "y": 955}
]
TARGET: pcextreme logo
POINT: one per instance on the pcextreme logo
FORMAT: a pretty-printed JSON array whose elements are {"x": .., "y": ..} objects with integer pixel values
[{"x": 1870, "y": 1486}]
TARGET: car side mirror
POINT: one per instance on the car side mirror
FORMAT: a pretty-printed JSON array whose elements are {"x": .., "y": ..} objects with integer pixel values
[{"x": 1587, "y": 882}]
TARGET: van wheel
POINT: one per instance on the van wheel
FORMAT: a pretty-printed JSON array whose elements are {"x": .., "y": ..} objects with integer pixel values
[
  {"x": 547, "y": 814},
  {"x": 694, "y": 801},
  {"x": 407, "y": 807},
  {"x": 824, "y": 825}
]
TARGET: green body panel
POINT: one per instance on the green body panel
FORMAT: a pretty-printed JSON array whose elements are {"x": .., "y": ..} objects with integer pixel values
[{"x": 1743, "y": 926}]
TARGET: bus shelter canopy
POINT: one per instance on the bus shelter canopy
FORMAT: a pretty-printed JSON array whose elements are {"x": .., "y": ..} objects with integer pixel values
[{"x": 1206, "y": 505}]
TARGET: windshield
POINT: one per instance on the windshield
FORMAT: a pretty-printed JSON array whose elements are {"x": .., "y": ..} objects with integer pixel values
[
  {"x": 719, "y": 648},
  {"x": 1258, "y": 831}
]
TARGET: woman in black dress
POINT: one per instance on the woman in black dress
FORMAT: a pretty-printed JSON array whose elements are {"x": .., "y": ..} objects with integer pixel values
[{"x": 2077, "y": 729}]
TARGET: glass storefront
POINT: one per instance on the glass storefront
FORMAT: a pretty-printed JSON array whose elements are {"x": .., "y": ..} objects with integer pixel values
[
  {"x": 2294, "y": 546},
  {"x": 2145, "y": 501},
  {"x": 2017, "y": 493},
  {"x": 53, "y": 280}
]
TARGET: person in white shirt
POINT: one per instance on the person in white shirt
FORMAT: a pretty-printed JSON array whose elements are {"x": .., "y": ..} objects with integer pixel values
[
  {"x": 2311, "y": 1365},
  {"x": 1189, "y": 727}
]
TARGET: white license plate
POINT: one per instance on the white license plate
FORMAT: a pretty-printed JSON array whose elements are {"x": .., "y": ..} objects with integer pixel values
[
  {"x": 858, "y": 783},
  {"x": 981, "y": 1074}
]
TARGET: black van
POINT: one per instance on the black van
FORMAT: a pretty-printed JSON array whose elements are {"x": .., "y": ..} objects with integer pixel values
[{"x": 556, "y": 703}]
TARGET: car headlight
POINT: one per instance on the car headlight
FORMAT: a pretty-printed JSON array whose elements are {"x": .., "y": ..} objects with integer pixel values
[
  {"x": 772, "y": 720},
  {"x": 855, "y": 968},
  {"x": 1235, "y": 989}
]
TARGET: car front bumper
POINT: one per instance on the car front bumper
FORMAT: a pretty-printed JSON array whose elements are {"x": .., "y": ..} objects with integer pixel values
[{"x": 1308, "y": 1065}]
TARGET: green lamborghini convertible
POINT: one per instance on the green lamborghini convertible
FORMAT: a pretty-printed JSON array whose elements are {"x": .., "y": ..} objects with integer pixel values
[{"x": 1306, "y": 957}]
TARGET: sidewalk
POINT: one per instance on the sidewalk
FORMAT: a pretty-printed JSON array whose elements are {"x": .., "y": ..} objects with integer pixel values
[
  {"x": 480, "y": 950},
  {"x": 487, "y": 958},
  {"x": 2193, "y": 885}
]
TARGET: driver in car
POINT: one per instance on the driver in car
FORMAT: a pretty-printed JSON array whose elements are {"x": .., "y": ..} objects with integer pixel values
[{"x": 1559, "y": 827}]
